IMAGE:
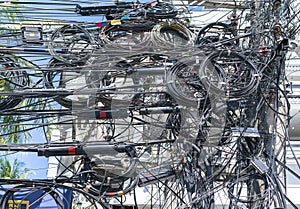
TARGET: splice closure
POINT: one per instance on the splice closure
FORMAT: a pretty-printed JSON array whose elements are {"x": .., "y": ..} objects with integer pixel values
[
  {"x": 108, "y": 113},
  {"x": 92, "y": 149}
]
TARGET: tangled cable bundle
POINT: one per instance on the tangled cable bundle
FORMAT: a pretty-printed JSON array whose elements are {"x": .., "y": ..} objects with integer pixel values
[
  {"x": 240, "y": 76},
  {"x": 134, "y": 38},
  {"x": 71, "y": 44},
  {"x": 159, "y": 104},
  {"x": 171, "y": 34},
  {"x": 18, "y": 80}
]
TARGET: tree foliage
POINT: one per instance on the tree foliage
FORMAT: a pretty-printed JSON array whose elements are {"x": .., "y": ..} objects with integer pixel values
[{"x": 13, "y": 170}]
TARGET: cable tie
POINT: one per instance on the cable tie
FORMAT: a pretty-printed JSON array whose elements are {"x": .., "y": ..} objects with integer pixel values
[{"x": 115, "y": 22}]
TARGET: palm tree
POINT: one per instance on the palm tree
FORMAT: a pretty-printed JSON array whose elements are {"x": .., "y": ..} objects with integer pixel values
[{"x": 13, "y": 170}]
